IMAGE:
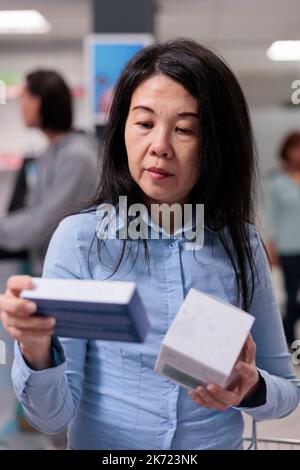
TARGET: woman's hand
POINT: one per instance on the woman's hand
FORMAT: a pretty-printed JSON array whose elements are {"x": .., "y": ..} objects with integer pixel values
[
  {"x": 214, "y": 396},
  {"x": 31, "y": 331}
]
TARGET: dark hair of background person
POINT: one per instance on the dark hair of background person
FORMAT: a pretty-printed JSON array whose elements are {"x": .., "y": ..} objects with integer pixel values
[
  {"x": 56, "y": 101},
  {"x": 291, "y": 140},
  {"x": 227, "y": 159}
]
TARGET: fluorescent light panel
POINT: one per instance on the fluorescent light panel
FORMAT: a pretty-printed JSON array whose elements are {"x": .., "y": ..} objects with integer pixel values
[
  {"x": 284, "y": 50},
  {"x": 23, "y": 22}
]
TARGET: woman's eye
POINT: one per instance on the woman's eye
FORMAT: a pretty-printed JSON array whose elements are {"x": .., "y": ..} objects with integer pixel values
[
  {"x": 184, "y": 130},
  {"x": 145, "y": 125}
]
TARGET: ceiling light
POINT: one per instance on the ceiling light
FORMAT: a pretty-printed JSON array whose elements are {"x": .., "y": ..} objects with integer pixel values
[
  {"x": 284, "y": 50},
  {"x": 23, "y": 22}
]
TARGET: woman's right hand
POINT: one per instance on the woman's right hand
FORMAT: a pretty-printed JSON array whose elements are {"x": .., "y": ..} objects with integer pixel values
[{"x": 32, "y": 332}]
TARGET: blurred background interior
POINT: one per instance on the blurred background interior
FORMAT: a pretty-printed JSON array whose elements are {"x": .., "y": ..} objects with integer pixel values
[{"x": 240, "y": 31}]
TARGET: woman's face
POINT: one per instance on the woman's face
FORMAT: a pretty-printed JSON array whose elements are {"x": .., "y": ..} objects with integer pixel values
[
  {"x": 30, "y": 108},
  {"x": 162, "y": 140}
]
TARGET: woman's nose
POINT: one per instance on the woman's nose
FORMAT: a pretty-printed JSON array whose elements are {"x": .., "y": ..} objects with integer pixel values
[{"x": 161, "y": 146}]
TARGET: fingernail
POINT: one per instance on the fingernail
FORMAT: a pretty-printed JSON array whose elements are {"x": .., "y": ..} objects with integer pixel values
[
  {"x": 51, "y": 321},
  {"x": 31, "y": 307}
]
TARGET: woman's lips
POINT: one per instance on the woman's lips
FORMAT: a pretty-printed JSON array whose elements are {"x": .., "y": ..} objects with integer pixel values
[{"x": 158, "y": 173}]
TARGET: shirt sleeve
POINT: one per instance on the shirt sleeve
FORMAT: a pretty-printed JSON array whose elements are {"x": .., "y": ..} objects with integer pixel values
[
  {"x": 257, "y": 398},
  {"x": 272, "y": 357},
  {"x": 50, "y": 397},
  {"x": 73, "y": 185}
]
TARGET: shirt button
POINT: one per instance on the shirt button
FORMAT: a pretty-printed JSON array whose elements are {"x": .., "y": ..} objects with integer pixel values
[
  {"x": 173, "y": 386},
  {"x": 171, "y": 425}
]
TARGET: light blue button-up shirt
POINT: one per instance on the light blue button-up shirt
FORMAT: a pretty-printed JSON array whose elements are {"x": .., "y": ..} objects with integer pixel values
[{"x": 107, "y": 393}]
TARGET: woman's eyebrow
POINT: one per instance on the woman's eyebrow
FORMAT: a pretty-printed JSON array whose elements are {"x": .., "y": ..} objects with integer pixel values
[
  {"x": 188, "y": 114},
  {"x": 150, "y": 110},
  {"x": 144, "y": 108}
]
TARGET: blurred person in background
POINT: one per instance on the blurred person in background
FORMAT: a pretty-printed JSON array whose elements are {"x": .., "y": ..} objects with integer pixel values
[
  {"x": 65, "y": 178},
  {"x": 283, "y": 225}
]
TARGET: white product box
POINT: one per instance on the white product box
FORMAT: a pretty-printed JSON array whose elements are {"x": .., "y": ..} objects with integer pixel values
[{"x": 203, "y": 342}]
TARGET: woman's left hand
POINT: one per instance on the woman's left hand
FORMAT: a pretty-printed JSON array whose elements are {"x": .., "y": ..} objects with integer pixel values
[{"x": 214, "y": 396}]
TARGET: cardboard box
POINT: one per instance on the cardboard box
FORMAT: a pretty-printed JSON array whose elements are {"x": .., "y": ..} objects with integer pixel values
[
  {"x": 204, "y": 341},
  {"x": 107, "y": 310}
]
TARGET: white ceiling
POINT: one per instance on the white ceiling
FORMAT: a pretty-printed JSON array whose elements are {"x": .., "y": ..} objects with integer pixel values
[
  {"x": 240, "y": 30},
  {"x": 70, "y": 21},
  {"x": 235, "y": 20}
]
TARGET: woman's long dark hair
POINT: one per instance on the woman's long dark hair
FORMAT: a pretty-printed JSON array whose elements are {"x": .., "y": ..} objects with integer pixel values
[{"x": 226, "y": 158}]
